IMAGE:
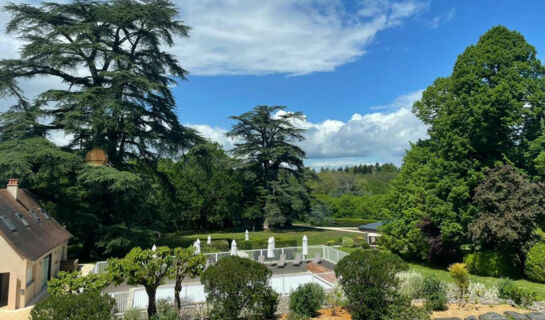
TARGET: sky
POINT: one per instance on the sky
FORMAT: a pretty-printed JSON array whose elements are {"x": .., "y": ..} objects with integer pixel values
[{"x": 353, "y": 67}]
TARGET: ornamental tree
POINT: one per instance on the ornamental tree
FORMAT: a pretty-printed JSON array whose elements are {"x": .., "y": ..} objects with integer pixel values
[
  {"x": 186, "y": 264},
  {"x": 145, "y": 267}
]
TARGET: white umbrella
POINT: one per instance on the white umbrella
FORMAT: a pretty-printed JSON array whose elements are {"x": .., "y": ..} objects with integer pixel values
[
  {"x": 234, "y": 248},
  {"x": 209, "y": 240},
  {"x": 246, "y": 236},
  {"x": 270, "y": 248},
  {"x": 153, "y": 248},
  {"x": 197, "y": 246},
  {"x": 305, "y": 246}
]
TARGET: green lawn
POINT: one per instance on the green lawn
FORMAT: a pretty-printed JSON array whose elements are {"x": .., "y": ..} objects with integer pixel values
[
  {"x": 444, "y": 276},
  {"x": 315, "y": 236}
]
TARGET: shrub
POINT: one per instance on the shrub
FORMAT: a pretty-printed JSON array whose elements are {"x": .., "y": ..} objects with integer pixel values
[
  {"x": 165, "y": 310},
  {"x": 237, "y": 286},
  {"x": 134, "y": 314},
  {"x": 336, "y": 298},
  {"x": 331, "y": 242},
  {"x": 491, "y": 264},
  {"x": 220, "y": 245},
  {"x": 535, "y": 263},
  {"x": 410, "y": 284},
  {"x": 352, "y": 222},
  {"x": 369, "y": 281},
  {"x": 307, "y": 299},
  {"x": 296, "y": 316},
  {"x": 478, "y": 292},
  {"x": 253, "y": 244},
  {"x": 89, "y": 306},
  {"x": 458, "y": 273},
  {"x": 435, "y": 294},
  {"x": 74, "y": 283},
  {"x": 348, "y": 242},
  {"x": 509, "y": 290},
  {"x": 405, "y": 311}
]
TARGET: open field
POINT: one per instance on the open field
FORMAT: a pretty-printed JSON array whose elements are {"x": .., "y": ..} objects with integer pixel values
[{"x": 315, "y": 236}]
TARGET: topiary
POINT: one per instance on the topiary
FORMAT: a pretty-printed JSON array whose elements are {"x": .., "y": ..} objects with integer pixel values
[
  {"x": 237, "y": 287},
  {"x": 491, "y": 264},
  {"x": 347, "y": 242},
  {"x": 307, "y": 299},
  {"x": 435, "y": 294},
  {"x": 535, "y": 263},
  {"x": 89, "y": 306},
  {"x": 369, "y": 286}
]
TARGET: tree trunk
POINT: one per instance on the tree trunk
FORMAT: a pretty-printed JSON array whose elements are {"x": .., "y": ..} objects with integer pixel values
[
  {"x": 177, "y": 290},
  {"x": 152, "y": 308}
]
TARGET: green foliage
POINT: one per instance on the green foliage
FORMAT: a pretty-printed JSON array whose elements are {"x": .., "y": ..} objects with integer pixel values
[
  {"x": 348, "y": 242},
  {"x": 435, "y": 294},
  {"x": 307, "y": 299},
  {"x": 335, "y": 298},
  {"x": 509, "y": 290},
  {"x": 273, "y": 161},
  {"x": 237, "y": 287},
  {"x": 262, "y": 243},
  {"x": 85, "y": 306},
  {"x": 477, "y": 116},
  {"x": 492, "y": 264},
  {"x": 510, "y": 207},
  {"x": 535, "y": 263},
  {"x": 296, "y": 316},
  {"x": 405, "y": 311},
  {"x": 369, "y": 281},
  {"x": 148, "y": 268},
  {"x": 370, "y": 207},
  {"x": 460, "y": 276},
  {"x": 410, "y": 284},
  {"x": 67, "y": 283},
  {"x": 186, "y": 264},
  {"x": 220, "y": 245}
]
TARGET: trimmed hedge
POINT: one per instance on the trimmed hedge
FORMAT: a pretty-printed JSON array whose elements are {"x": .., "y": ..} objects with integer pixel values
[
  {"x": 491, "y": 264},
  {"x": 263, "y": 243},
  {"x": 535, "y": 263}
]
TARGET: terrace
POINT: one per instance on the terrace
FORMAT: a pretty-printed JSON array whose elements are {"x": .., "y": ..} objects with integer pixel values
[{"x": 284, "y": 279}]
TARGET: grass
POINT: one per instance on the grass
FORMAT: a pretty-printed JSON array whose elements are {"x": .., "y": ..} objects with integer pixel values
[
  {"x": 444, "y": 276},
  {"x": 315, "y": 236}
]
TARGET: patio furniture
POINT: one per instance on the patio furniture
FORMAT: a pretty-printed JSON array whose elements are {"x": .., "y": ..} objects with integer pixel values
[
  {"x": 261, "y": 259},
  {"x": 282, "y": 261},
  {"x": 298, "y": 259},
  {"x": 317, "y": 258}
]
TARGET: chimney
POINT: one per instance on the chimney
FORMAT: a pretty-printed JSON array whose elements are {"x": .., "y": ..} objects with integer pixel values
[{"x": 13, "y": 187}]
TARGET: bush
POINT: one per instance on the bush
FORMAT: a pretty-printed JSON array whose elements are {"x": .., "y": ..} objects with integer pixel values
[
  {"x": 331, "y": 243},
  {"x": 238, "y": 287},
  {"x": 491, "y": 264},
  {"x": 253, "y": 244},
  {"x": 405, "y": 311},
  {"x": 435, "y": 294},
  {"x": 535, "y": 263},
  {"x": 352, "y": 222},
  {"x": 509, "y": 290},
  {"x": 460, "y": 275},
  {"x": 410, "y": 284},
  {"x": 134, "y": 314},
  {"x": 89, "y": 306},
  {"x": 307, "y": 299},
  {"x": 370, "y": 287},
  {"x": 348, "y": 242},
  {"x": 219, "y": 245}
]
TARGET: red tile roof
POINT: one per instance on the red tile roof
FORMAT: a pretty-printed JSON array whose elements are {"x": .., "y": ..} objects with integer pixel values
[{"x": 36, "y": 239}]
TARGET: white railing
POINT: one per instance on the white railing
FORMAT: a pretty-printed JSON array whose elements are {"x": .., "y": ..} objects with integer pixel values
[
  {"x": 193, "y": 293},
  {"x": 327, "y": 253}
]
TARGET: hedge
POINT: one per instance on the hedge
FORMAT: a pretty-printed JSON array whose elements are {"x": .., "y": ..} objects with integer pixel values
[
  {"x": 253, "y": 244},
  {"x": 492, "y": 264},
  {"x": 348, "y": 222},
  {"x": 535, "y": 263}
]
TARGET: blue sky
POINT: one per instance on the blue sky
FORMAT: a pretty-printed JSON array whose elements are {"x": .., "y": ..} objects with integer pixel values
[{"x": 353, "y": 67}]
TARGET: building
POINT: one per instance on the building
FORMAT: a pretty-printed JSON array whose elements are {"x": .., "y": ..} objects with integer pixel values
[
  {"x": 32, "y": 246},
  {"x": 371, "y": 231}
]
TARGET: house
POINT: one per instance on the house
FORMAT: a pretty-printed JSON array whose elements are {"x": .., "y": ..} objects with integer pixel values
[
  {"x": 371, "y": 231},
  {"x": 32, "y": 245}
]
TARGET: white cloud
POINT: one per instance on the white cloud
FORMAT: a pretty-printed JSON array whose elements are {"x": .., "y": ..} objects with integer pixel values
[
  {"x": 283, "y": 36},
  {"x": 368, "y": 138}
]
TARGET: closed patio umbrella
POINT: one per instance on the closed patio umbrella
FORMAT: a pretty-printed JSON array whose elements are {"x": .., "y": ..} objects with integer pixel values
[
  {"x": 234, "y": 248},
  {"x": 197, "y": 246},
  {"x": 209, "y": 240},
  {"x": 305, "y": 246},
  {"x": 246, "y": 236},
  {"x": 270, "y": 248}
]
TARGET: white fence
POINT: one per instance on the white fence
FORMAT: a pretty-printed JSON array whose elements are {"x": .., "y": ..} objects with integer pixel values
[{"x": 327, "y": 253}]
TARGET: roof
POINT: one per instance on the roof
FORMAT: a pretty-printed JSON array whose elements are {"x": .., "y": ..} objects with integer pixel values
[
  {"x": 31, "y": 238},
  {"x": 371, "y": 226}
]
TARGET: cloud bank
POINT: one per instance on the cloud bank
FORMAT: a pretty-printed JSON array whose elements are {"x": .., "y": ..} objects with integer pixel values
[{"x": 364, "y": 138}]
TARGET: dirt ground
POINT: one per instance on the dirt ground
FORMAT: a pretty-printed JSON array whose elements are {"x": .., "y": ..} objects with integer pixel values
[{"x": 453, "y": 311}]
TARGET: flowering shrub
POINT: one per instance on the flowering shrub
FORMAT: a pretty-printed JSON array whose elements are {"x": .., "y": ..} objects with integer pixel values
[{"x": 410, "y": 284}]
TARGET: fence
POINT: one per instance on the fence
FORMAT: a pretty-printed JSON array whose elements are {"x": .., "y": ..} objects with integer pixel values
[
  {"x": 328, "y": 253},
  {"x": 193, "y": 293}
]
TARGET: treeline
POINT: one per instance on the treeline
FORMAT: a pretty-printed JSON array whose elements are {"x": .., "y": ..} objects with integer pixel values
[
  {"x": 475, "y": 188},
  {"x": 350, "y": 192},
  {"x": 116, "y": 96}
]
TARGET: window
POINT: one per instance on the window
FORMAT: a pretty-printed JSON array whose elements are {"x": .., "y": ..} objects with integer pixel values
[
  {"x": 42, "y": 210},
  {"x": 23, "y": 220},
  {"x": 8, "y": 223},
  {"x": 35, "y": 216},
  {"x": 29, "y": 275}
]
